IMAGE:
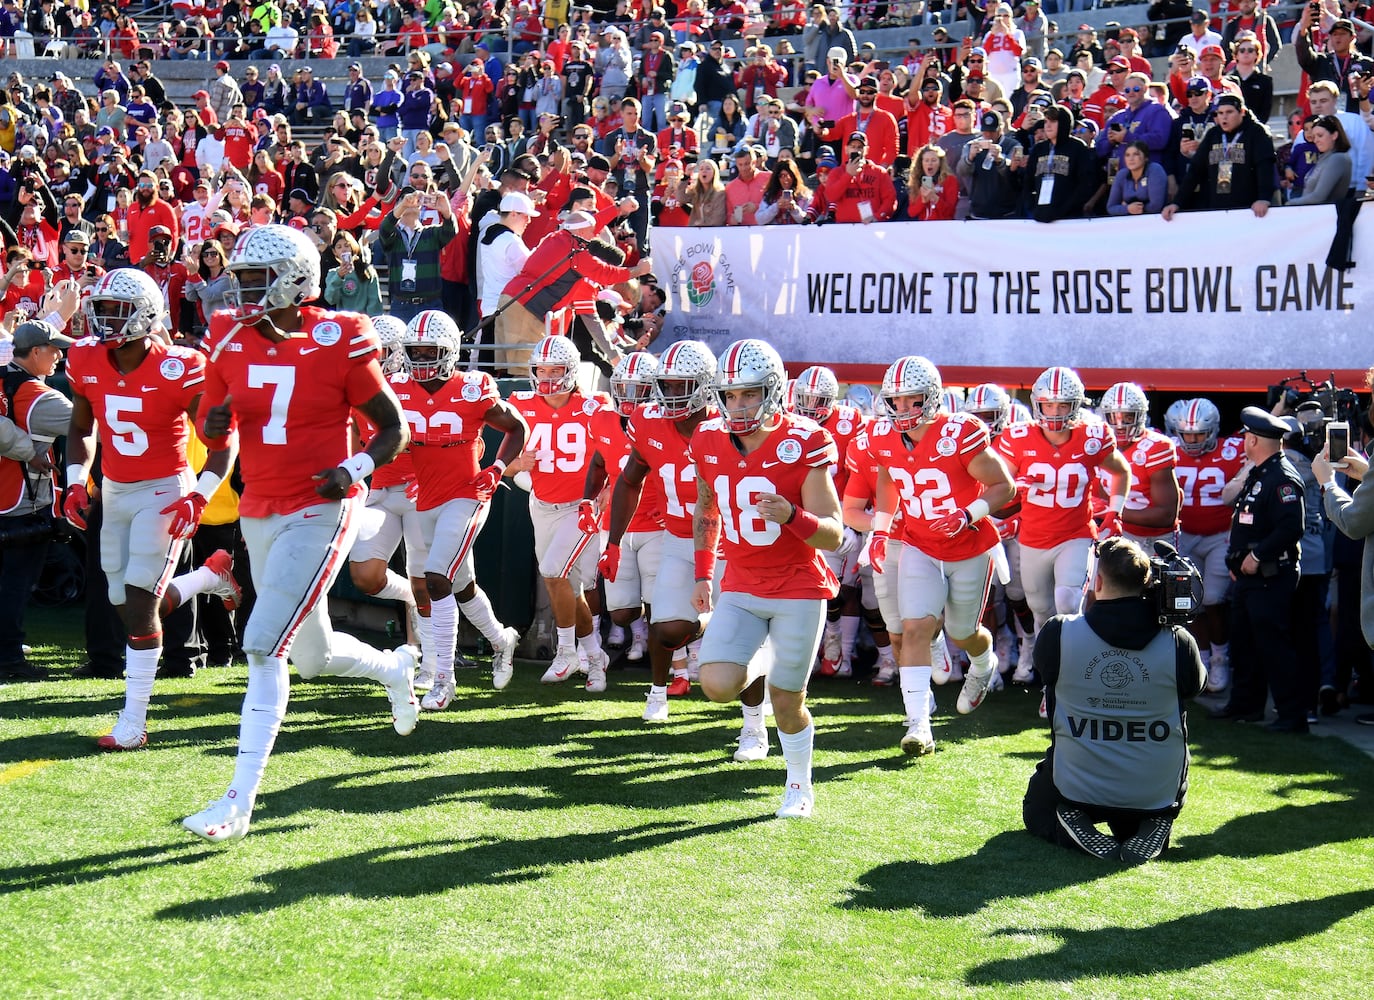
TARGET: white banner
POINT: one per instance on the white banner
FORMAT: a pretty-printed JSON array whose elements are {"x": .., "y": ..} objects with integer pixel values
[{"x": 1211, "y": 300}]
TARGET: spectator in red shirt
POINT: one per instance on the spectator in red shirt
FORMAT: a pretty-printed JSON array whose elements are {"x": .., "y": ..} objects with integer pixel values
[
  {"x": 877, "y": 126},
  {"x": 147, "y": 211},
  {"x": 744, "y": 194},
  {"x": 762, "y": 76},
  {"x": 861, "y": 190},
  {"x": 927, "y": 118}
]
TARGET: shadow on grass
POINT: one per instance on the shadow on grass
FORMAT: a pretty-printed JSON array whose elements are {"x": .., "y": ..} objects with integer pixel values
[
  {"x": 1172, "y": 946},
  {"x": 389, "y": 872}
]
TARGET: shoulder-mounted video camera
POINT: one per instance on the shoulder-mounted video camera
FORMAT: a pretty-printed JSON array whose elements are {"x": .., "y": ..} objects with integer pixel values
[
  {"x": 1336, "y": 404},
  {"x": 1175, "y": 587}
]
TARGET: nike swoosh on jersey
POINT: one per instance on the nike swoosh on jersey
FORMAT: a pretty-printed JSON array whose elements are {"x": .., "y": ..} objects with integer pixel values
[
  {"x": 308, "y": 350},
  {"x": 769, "y": 465}
]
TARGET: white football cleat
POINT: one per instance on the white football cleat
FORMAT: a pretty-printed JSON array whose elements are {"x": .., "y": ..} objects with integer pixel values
[
  {"x": 694, "y": 661},
  {"x": 503, "y": 659},
  {"x": 1025, "y": 664},
  {"x": 753, "y": 745},
  {"x": 940, "y": 667},
  {"x": 656, "y": 708},
  {"x": 226, "y": 588},
  {"x": 405, "y": 709},
  {"x": 424, "y": 678},
  {"x": 797, "y": 802},
  {"x": 439, "y": 696},
  {"x": 222, "y": 820},
  {"x": 125, "y": 735},
  {"x": 639, "y": 641},
  {"x": 918, "y": 740},
  {"x": 976, "y": 688},
  {"x": 831, "y": 648},
  {"x": 1218, "y": 674},
  {"x": 615, "y": 638},
  {"x": 596, "y": 671},
  {"x": 565, "y": 664},
  {"x": 886, "y": 675}
]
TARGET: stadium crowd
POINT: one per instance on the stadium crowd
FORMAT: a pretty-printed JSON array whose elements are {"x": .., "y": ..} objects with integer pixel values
[{"x": 504, "y": 177}]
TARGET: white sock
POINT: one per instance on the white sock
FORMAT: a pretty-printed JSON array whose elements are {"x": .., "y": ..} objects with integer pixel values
[
  {"x": 196, "y": 582},
  {"x": 483, "y": 618},
  {"x": 264, "y": 707},
  {"x": 590, "y": 643},
  {"x": 885, "y": 657},
  {"x": 640, "y": 628},
  {"x": 982, "y": 662},
  {"x": 567, "y": 637},
  {"x": 1222, "y": 650},
  {"x": 351, "y": 657},
  {"x": 140, "y": 668},
  {"x": 753, "y": 716},
  {"x": 396, "y": 588},
  {"x": 680, "y": 656},
  {"x": 849, "y": 634},
  {"x": 596, "y": 625},
  {"x": 658, "y": 690},
  {"x": 443, "y": 624},
  {"x": 916, "y": 693},
  {"x": 680, "y": 668},
  {"x": 796, "y": 750},
  {"x": 427, "y": 641}
]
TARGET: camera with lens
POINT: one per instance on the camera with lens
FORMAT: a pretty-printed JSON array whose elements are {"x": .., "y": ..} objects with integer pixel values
[
  {"x": 633, "y": 324},
  {"x": 30, "y": 529},
  {"x": 1335, "y": 403},
  {"x": 1175, "y": 588}
]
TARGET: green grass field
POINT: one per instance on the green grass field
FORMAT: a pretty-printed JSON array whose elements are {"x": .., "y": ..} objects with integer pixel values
[{"x": 546, "y": 843}]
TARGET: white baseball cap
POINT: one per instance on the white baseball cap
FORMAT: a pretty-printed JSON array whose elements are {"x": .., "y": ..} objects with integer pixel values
[{"x": 518, "y": 201}]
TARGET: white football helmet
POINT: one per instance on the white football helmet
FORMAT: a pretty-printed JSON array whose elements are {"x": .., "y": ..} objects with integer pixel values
[
  {"x": 392, "y": 334},
  {"x": 751, "y": 364},
  {"x": 1174, "y": 414},
  {"x": 273, "y": 267},
  {"x": 1057, "y": 385},
  {"x": 126, "y": 304},
  {"x": 815, "y": 392},
  {"x": 911, "y": 376},
  {"x": 1201, "y": 416},
  {"x": 952, "y": 399},
  {"x": 632, "y": 382},
  {"x": 1020, "y": 413},
  {"x": 991, "y": 404},
  {"x": 434, "y": 333},
  {"x": 554, "y": 352},
  {"x": 683, "y": 384},
  {"x": 1126, "y": 409}
]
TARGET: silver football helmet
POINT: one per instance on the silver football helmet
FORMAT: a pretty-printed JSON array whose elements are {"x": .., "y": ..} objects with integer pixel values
[
  {"x": 1057, "y": 385},
  {"x": 1126, "y": 408},
  {"x": 750, "y": 364},
  {"x": 632, "y": 382},
  {"x": 991, "y": 404},
  {"x": 554, "y": 352},
  {"x": 430, "y": 346},
  {"x": 911, "y": 376},
  {"x": 685, "y": 378},
  {"x": 392, "y": 334},
  {"x": 814, "y": 394},
  {"x": 1201, "y": 416},
  {"x": 273, "y": 267},
  {"x": 125, "y": 304}
]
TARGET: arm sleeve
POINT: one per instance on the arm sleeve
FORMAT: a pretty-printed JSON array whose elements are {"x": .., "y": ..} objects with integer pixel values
[
  {"x": 1046, "y": 654},
  {"x": 1191, "y": 673},
  {"x": 49, "y": 416},
  {"x": 1352, "y": 514}
]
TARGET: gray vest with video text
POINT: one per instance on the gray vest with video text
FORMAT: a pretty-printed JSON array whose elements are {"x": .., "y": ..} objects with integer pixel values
[{"x": 1118, "y": 732}]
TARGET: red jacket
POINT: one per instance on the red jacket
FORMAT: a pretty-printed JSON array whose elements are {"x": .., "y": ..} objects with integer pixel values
[
  {"x": 881, "y": 131},
  {"x": 872, "y": 185},
  {"x": 554, "y": 271},
  {"x": 142, "y": 220}
]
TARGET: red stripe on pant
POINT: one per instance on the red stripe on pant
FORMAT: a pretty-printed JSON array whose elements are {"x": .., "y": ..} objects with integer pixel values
[{"x": 333, "y": 557}]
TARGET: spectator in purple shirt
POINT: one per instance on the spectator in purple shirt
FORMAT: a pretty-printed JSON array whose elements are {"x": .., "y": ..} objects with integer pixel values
[{"x": 1142, "y": 120}]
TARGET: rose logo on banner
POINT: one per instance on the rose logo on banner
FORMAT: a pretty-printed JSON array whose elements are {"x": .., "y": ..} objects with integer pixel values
[
  {"x": 703, "y": 284},
  {"x": 704, "y": 278}
]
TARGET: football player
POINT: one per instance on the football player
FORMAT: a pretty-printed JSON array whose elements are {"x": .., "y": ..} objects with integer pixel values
[
  {"x": 287, "y": 377},
  {"x": 1152, "y": 506},
  {"x": 388, "y": 497},
  {"x": 446, "y": 411},
  {"x": 813, "y": 396},
  {"x": 1055, "y": 460},
  {"x": 557, "y": 454},
  {"x": 632, "y": 386},
  {"x": 1206, "y": 463},
  {"x": 884, "y": 621},
  {"x": 139, "y": 390},
  {"x": 660, "y": 436},
  {"x": 941, "y": 469},
  {"x": 766, "y": 496}
]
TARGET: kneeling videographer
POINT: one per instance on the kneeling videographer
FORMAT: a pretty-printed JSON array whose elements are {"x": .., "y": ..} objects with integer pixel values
[
  {"x": 1116, "y": 684},
  {"x": 26, "y": 493}
]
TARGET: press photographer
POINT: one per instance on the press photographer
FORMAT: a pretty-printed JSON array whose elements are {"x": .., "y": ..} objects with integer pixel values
[
  {"x": 26, "y": 491},
  {"x": 1117, "y": 679}
]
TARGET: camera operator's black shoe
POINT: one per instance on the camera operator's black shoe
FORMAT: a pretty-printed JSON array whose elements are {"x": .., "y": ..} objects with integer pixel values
[
  {"x": 1235, "y": 714},
  {"x": 23, "y": 670},
  {"x": 98, "y": 671},
  {"x": 1090, "y": 839},
  {"x": 1148, "y": 842}
]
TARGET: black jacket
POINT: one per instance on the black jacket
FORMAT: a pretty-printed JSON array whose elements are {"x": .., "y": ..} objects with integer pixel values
[{"x": 1253, "y": 176}]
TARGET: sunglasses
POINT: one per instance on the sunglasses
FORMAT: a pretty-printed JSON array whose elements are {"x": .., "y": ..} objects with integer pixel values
[
  {"x": 1117, "y": 72},
  {"x": 82, "y": 251},
  {"x": 1132, "y": 90},
  {"x": 1193, "y": 92},
  {"x": 102, "y": 229}
]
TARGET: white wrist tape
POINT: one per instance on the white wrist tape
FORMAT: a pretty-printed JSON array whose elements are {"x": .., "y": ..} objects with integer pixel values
[
  {"x": 359, "y": 467},
  {"x": 207, "y": 484},
  {"x": 882, "y": 521},
  {"x": 977, "y": 510},
  {"x": 76, "y": 475},
  {"x": 1117, "y": 503}
]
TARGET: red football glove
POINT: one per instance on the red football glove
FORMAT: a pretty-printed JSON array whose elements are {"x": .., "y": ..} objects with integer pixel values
[
  {"x": 1008, "y": 528},
  {"x": 951, "y": 524},
  {"x": 877, "y": 550},
  {"x": 609, "y": 563},
  {"x": 586, "y": 518},
  {"x": 413, "y": 490},
  {"x": 75, "y": 502},
  {"x": 486, "y": 481},
  {"x": 186, "y": 514},
  {"x": 1110, "y": 526}
]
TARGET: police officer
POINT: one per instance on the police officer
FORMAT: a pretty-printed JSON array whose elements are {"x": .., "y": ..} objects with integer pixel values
[
  {"x": 1116, "y": 687},
  {"x": 1266, "y": 528}
]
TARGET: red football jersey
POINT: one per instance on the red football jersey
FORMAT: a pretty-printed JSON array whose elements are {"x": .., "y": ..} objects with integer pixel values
[
  {"x": 291, "y": 401},
  {"x": 399, "y": 470},
  {"x": 1058, "y": 479},
  {"x": 844, "y": 424},
  {"x": 141, "y": 415},
  {"x": 669, "y": 457},
  {"x": 761, "y": 557},
  {"x": 1202, "y": 479},
  {"x": 446, "y": 434},
  {"x": 612, "y": 441},
  {"x": 933, "y": 480},
  {"x": 1148, "y": 454},
  {"x": 862, "y": 482},
  {"x": 560, "y": 441}
]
